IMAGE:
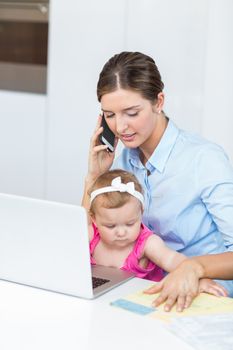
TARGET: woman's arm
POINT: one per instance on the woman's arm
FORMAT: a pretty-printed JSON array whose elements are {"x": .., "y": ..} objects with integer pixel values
[{"x": 218, "y": 266}]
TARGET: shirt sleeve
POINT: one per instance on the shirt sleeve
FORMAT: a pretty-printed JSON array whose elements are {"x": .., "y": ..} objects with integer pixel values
[{"x": 215, "y": 182}]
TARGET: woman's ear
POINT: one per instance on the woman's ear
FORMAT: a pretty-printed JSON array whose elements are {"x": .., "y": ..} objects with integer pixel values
[{"x": 158, "y": 106}]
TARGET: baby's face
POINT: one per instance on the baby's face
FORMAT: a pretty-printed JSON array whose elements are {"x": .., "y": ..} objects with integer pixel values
[{"x": 119, "y": 227}]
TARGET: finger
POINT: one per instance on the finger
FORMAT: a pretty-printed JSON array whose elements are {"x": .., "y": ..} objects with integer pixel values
[
  {"x": 97, "y": 132},
  {"x": 170, "y": 303},
  {"x": 212, "y": 290},
  {"x": 161, "y": 299},
  {"x": 95, "y": 137},
  {"x": 209, "y": 287},
  {"x": 217, "y": 290},
  {"x": 99, "y": 121},
  {"x": 99, "y": 148},
  {"x": 189, "y": 300},
  {"x": 154, "y": 289},
  {"x": 180, "y": 304},
  {"x": 221, "y": 289},
  {"x": 98, "y": 128}
]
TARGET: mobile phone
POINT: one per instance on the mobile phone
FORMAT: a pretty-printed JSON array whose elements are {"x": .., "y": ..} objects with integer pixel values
[{"x": 107, "y": 137}]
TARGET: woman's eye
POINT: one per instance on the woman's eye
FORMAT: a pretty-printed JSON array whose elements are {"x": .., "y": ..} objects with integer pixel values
[
  {"x": 132, "y": 114},
  {"x": 110, "y": 226},
  {"x": 109, "y": 115}
]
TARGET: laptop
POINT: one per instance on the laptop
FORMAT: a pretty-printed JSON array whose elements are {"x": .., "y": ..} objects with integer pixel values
[{"x": 45, "y": 244}]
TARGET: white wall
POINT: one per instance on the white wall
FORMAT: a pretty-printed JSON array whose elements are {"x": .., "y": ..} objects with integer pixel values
[
  {"x": 82, "y": 35},
  {"x": 22, "y": 143},
  {"x": 45, "y": 139},
  {"x": 174, "y": 33},
  {"x": 217, "y": 118}
]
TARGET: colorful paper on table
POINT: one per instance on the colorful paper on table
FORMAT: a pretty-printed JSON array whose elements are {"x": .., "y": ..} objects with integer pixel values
[{"x": 204, "y": 304}]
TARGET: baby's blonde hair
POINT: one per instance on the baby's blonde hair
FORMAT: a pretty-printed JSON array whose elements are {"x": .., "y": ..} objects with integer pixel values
[{"x": 116, "y": 199}]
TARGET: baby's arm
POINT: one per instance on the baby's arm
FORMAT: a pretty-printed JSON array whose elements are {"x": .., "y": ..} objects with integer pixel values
[
  {"x": 157, "y": 251},
  {"x": 218, "y": 266}
]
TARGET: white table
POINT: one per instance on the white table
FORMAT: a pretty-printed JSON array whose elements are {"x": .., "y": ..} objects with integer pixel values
[{"x": 32, "y": 319}]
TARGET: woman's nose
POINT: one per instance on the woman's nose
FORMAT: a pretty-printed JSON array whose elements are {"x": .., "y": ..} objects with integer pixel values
[{"x": 121, "y": 125}]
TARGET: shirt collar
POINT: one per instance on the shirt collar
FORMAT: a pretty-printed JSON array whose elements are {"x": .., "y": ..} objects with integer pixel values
[
  {"x": 161, "y": 153},
  {"x": 134, "y": 158}
]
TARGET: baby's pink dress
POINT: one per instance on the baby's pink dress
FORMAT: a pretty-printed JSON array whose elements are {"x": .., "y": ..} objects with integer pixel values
[{"x": 151, "y": 272}]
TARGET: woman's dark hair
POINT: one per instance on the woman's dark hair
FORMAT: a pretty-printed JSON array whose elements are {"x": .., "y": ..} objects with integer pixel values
[{"x": 130, "y": 71}]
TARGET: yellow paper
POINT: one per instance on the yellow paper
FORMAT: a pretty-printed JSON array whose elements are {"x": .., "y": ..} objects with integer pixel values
[{"x": 203, "y": 304}]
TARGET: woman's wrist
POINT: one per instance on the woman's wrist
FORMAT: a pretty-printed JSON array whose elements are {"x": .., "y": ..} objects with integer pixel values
[
  {"x": 89, "y": 179},
  {"x": 194, "y": 266},
  {"x": 198, "y": 267}
]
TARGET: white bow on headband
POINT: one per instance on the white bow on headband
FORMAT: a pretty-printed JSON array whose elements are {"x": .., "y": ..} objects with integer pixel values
[{"x": 118, "y": 186}]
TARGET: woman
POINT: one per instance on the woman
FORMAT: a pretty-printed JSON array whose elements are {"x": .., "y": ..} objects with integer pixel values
[{"x": 187, "y": 181}]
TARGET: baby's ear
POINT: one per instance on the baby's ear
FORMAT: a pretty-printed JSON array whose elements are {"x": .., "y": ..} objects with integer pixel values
[
  {"x": 142, "y": 208},
  {"x": 92, "y": 217}
]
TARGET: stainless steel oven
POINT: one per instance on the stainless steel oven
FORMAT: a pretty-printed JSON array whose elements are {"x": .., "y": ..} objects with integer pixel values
[{"x": 24, "y": 45}]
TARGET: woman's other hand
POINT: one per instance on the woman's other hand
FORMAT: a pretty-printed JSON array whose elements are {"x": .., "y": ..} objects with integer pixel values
[
  {"x": 211, "y": 287},
  {"x": 180, "y": 286}
]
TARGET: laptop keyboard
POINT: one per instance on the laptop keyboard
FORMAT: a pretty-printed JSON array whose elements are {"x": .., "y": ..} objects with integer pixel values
[{"x": 96, "y": 282}]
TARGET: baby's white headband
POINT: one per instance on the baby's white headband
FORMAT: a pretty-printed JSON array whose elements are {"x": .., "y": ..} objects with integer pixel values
[{"x": 118, "y": 186}]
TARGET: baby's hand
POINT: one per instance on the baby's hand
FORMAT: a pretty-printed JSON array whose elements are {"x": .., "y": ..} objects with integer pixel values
[{"x": 211, "y": 287}]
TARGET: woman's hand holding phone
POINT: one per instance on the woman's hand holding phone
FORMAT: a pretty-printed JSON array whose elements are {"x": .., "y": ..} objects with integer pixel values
[{"x": 100, "y": 159}]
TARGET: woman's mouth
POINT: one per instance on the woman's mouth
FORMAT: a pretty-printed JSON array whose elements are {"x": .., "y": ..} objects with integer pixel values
[{"x": 127, "y": 137}]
